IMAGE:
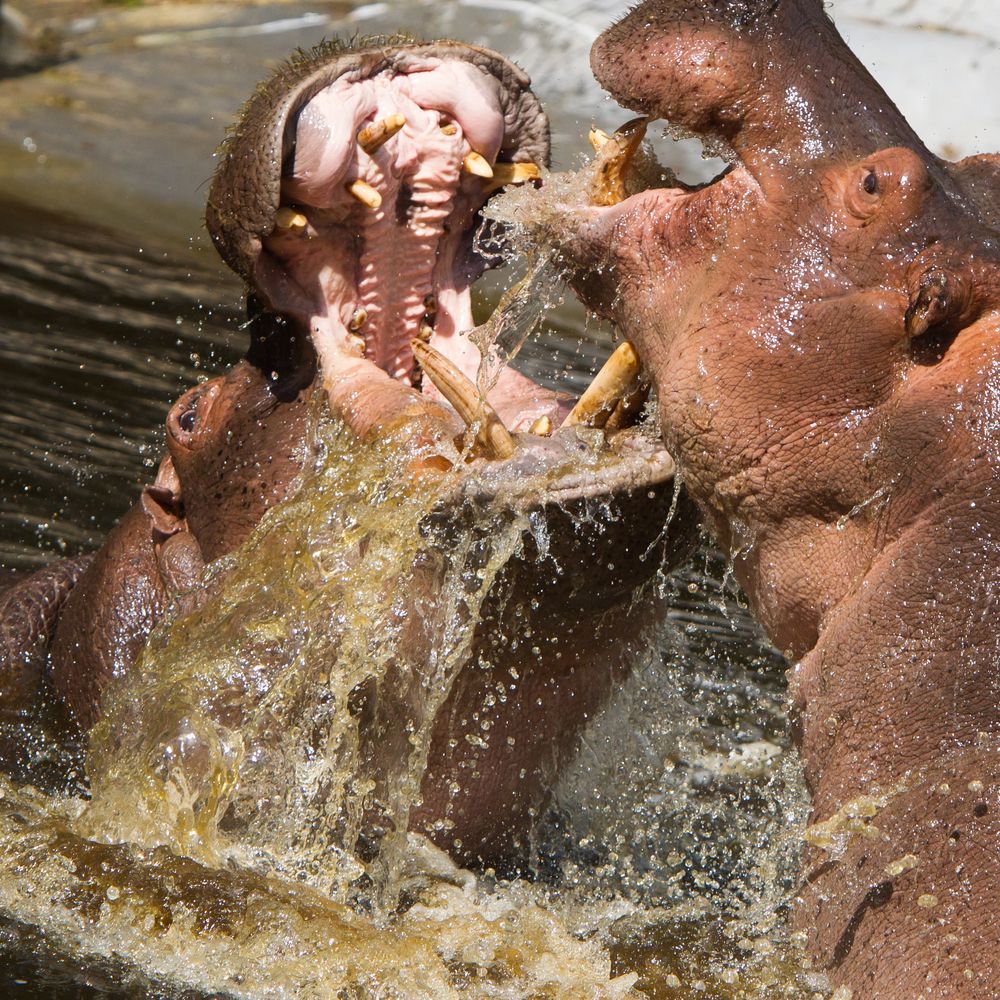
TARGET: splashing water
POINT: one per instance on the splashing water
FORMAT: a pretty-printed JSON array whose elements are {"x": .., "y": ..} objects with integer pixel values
[{"x": 247, "y": 834}]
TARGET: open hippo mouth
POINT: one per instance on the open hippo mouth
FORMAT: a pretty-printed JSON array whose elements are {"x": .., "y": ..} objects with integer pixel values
[{"x": 349, "y": 197}]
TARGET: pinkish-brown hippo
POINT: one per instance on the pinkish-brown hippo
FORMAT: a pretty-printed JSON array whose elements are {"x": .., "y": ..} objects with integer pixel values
[
  {"x": 348, "y": 198},
  {"x": 822, "y": 328}
]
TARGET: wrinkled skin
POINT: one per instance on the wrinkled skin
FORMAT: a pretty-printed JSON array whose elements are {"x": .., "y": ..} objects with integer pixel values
[
  {"x": 237, "y": 445},
  {"x": 821, "y": 324}
]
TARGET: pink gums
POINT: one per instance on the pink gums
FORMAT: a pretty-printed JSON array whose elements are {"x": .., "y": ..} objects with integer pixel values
[{"x": 417, "y": 173}]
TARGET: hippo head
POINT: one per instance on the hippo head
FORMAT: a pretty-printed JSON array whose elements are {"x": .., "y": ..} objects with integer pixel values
[
  {"x": 348, "y": 196},
  {"x": 805, "y": 315}
]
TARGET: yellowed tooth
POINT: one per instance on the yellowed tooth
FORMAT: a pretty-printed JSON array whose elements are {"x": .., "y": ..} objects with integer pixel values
[
  {"x": 365, "y": 193},
  {"x": 608, "y": 185},
  {"x": 619, "y": 376},
  {"x": 513, "y": 173},
  {"x": 288, "y": 218},
  {"x": 598, "y": 138},
  {"x": 426, "y": 331},
  {"x": 516, "y": 173},
  {"x": 358, "y": 343},
  {"x": 358, "y": 319},
  {"x": 493, "y": 440},
  {"x": 477, "y": 164},
  {"x": 430, "y": 305},
  {"x": 373, "y": 137},
  {"x": 449, "y": 128},
  {"x": 542, "y": 426},
  {"x": 626, "y": 413}
]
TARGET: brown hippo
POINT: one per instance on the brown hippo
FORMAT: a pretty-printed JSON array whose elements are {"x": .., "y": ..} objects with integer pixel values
[
  {"x": 821, "y": 325},
  {"x": 348, "y": 197}
]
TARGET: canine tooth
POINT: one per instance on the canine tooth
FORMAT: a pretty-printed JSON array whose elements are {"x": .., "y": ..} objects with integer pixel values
[
  {"x": 613, "y": 158},
  {"x": 449, "y": 128},
  {"x": 493, "y": 440},
  {"x": 516, "y": 173},
  {"x": 626, "y": 413},
  {"x": 512, "y": 173},
  {"x": 376, "y": 135},
  {"x": 612, "y": 383},
  {"x": 478, "y": 165},
  {"x": 542, "y": 426},
  {"x": 288, "y": 218},
  {"x": 358, "y": 320},
  {"x": 365, "y": 193},
  {"x": 598, "y": 138}
]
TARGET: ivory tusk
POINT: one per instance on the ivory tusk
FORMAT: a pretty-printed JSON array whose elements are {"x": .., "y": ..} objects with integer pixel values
[
  {"x": 477, "y": 164},
  {"x": 493, "y": 439},
  {"x": 373, "y": 137},
  {"x": 613, "y": 158},
  {"x": 598, "y": 138},
  {"x": 619, "y": 376},
  {"x": 512, "y": 173}
]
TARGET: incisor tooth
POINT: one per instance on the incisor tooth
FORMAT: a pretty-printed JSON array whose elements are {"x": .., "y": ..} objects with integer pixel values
[
  {"x": 373, "y": 136},
  {"x": 493, "y": 440},
  {"x": 618, "y": 377},
  {"x": 358, "y": 319},
  {"x": 475, "y": 163},
  {"x": 288, "y": 218},
  {"x": 542, "y": 426},
  {"x": 365, "y": 193},
  {"x": 426, "y": 331},
  {"x": 449, "y": 128}
]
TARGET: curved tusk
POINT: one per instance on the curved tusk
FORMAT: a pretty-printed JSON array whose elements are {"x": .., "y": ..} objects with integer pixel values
[
  {"x": 616, "y": 380},
  {"x": 598, "y": 138},
  {"x": 492, "y": 437},
  {"x": 513, "y": 173},
  {"x": 613, "y": 157},
  {"x": 477, "y": 164},
  {"x": 365, "y": 193},
  {"x": 373, "y": 137}
]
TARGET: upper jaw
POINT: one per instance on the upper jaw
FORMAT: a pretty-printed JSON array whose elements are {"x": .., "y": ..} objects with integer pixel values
[{"x": 360, "y": 224}]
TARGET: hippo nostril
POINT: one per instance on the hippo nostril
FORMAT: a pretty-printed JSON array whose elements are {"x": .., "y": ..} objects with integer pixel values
[{"x": 187, "y": 420}]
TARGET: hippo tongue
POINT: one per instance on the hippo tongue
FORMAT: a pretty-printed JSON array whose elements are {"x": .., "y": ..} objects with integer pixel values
[{"x": 735, "y": 72}]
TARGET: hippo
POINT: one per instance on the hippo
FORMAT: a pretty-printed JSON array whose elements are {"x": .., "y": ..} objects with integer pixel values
[
  {"x": 348, "y": 198},
  {"x": 821, "y": 324}
]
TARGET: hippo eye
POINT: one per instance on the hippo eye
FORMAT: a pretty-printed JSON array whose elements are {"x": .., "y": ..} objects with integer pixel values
[
  {"x": 870, "y": 183},
  {"x": 187, "y": 420}
]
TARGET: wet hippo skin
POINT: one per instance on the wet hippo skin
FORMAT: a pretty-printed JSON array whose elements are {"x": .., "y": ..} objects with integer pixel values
[
  {"x": 347, "y": 198},
  {"x": 822, "y": 328}
]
